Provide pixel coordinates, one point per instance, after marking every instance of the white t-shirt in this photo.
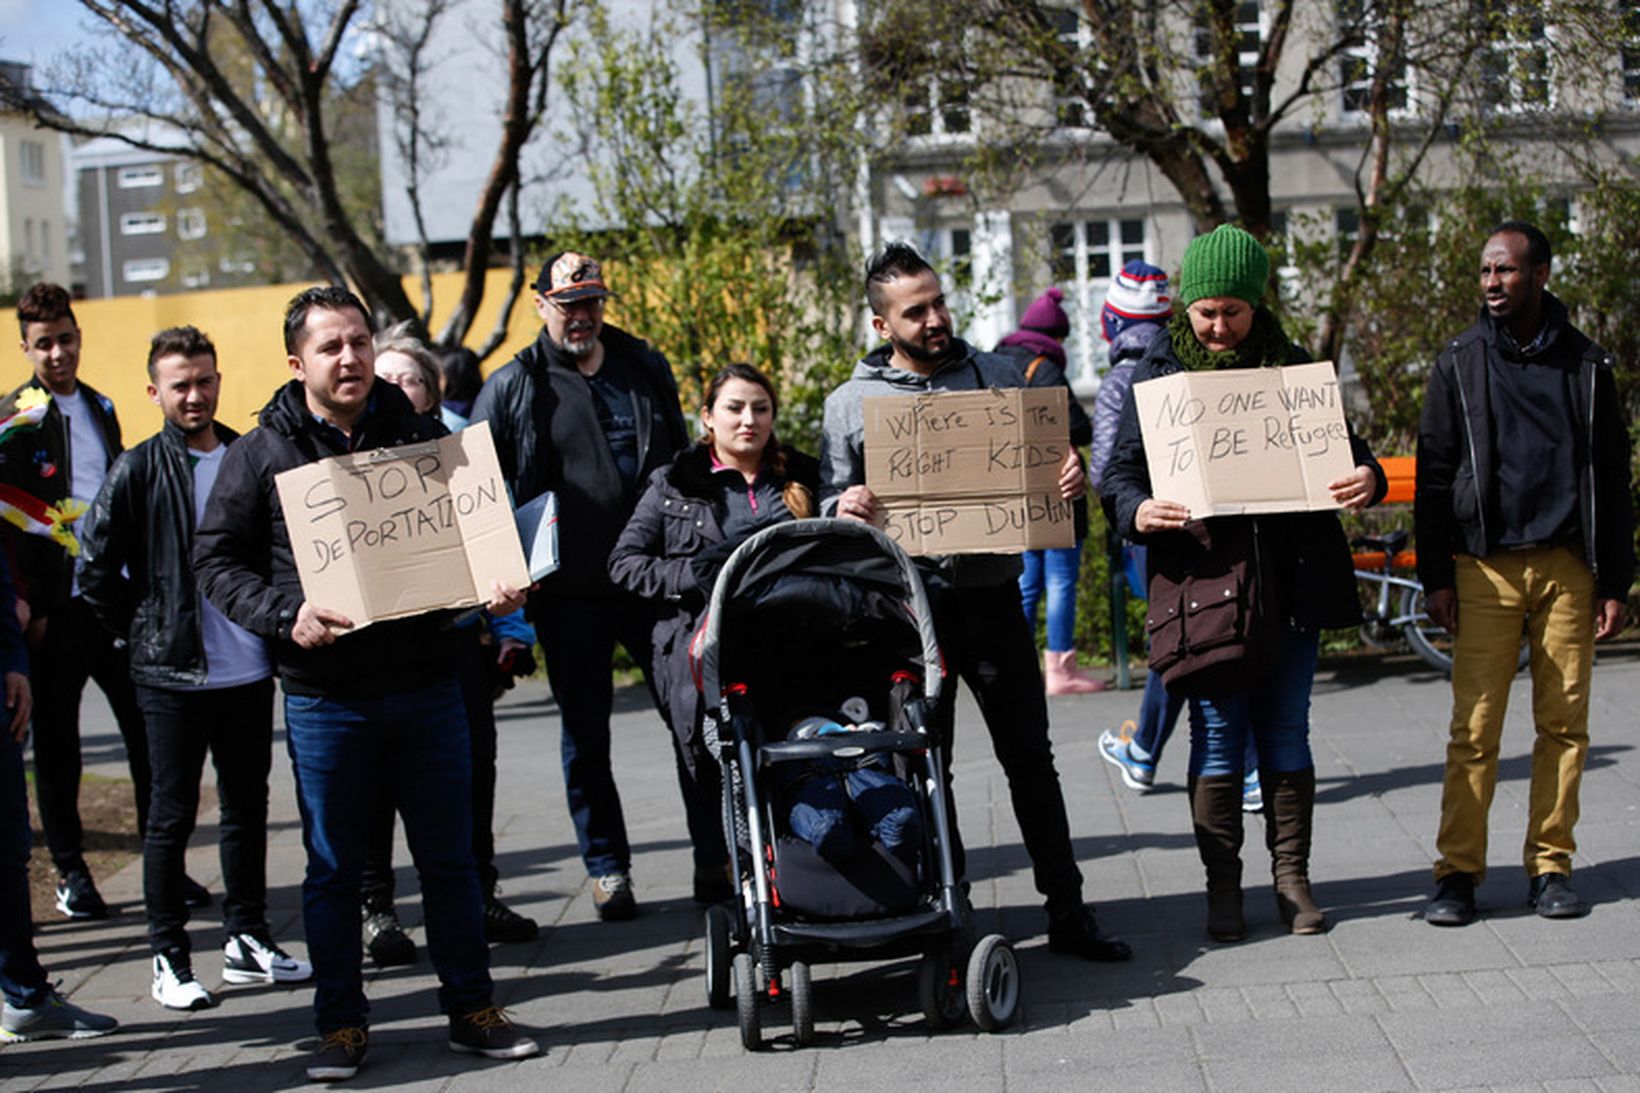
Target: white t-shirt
(233, 655)
(87, 454)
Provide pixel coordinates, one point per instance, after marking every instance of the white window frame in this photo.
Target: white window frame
(139, 271)
(191, 223)
(1511, 94)
(188, 177)
(1087, 352)
(31, 162)
(939, 130)
(1628, 52)
(1365, 52)
(196, 277)
(1078, 36)
(140, 176)
(1246, 60)
(146, 222)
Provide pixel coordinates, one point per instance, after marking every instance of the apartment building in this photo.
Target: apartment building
(34, 225)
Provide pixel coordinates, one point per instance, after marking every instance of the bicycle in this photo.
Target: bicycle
(1378, 561)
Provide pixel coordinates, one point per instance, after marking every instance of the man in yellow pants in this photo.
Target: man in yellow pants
(1524, 522)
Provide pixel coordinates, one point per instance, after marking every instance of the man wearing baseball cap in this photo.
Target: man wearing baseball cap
(588, 411)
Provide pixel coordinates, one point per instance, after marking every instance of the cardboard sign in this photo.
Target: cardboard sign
(1245, 440)
(399, 531)
(971, 472)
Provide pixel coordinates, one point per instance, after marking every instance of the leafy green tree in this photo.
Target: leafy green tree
(727, 214)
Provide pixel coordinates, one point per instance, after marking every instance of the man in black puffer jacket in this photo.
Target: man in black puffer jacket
(362, 710)
(1525, 525)
(590, 412)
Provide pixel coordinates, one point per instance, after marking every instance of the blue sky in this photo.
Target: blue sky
(34, 30)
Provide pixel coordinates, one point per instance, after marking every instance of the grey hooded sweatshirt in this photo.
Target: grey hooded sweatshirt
(842, 444)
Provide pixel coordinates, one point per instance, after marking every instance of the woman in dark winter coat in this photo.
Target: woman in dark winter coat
(693, 514)
(1302, 576)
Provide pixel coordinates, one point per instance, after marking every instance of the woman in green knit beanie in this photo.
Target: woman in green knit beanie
(1297, 567)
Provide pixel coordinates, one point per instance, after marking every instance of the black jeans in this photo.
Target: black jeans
(22, 981)
(473, 674)
(984, 637)
(236, 725)
(75, 648)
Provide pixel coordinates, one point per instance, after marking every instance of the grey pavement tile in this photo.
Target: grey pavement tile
(1620, 1083)
(1313, 1000)
(1269, 1003)
(1162, 1059)
(1597, 1014)
(1449, 989)
(1572, 1085)
(1494, 1045)
(1538, 983)
(1283, 1055)
(1494, 987)
(1404, 992)
(1379, 947)
(1621, 1046)
(1359, 997)
(968, 1062)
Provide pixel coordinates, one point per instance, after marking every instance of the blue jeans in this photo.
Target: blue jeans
(1273, 710)
(827, 806)
(1056, 570)
(22, 980)
(578, 635)
(411, 745)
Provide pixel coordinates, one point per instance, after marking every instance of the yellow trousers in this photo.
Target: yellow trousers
(1549, 593)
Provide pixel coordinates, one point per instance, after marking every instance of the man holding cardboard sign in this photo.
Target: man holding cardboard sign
(974, 597)
(379, 704)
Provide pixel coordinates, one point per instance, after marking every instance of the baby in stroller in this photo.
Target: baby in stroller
(840, 806)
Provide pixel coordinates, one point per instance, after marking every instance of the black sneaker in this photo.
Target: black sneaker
(386, 941)
(487, 1032)
(612, 897)
(504, 925)
(195, 894)
(1551, 896)
(339, 1056)
(1454, 901)
(1076, 933)
(77, 896)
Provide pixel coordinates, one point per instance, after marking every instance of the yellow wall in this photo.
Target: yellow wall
(246, 325)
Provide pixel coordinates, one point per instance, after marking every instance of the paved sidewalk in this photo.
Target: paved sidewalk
(1381, 1002)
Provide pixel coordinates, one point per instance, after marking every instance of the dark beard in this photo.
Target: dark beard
(915, 352)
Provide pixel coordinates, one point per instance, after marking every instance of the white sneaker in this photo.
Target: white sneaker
(175, 987)
(253, 958)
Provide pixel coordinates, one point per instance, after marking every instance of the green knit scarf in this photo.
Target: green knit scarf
(1266, 345)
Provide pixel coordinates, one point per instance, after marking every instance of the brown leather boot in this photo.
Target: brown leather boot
(1215, 808)
(1289, 799)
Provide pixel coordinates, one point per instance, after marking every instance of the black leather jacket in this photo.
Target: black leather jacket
(39, 462)
(547, 437)
(242, 553)
(142, 524)
(1457, 483)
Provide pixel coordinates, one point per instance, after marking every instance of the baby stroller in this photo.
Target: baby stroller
(809, 615)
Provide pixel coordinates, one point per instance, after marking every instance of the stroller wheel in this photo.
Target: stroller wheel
(801, 986)
(993, 983)
(747, 1000)
(939, 989)
(719, 952)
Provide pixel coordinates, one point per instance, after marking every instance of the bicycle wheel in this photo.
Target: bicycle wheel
(1432, 642)
(1429, 641)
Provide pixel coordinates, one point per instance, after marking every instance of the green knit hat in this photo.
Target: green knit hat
(1227, 261)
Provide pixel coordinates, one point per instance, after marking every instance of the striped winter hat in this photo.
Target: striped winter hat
(1138, 294)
